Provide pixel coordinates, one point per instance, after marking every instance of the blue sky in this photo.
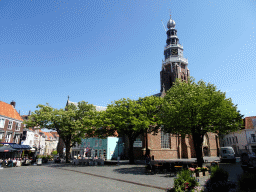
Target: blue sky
(101, 51)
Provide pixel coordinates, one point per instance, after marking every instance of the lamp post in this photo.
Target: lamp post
(118, 158)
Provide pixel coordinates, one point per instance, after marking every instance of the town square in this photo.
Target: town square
(128, 96)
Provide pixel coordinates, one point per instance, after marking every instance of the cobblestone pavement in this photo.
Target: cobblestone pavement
(48, 178)
(67, 177)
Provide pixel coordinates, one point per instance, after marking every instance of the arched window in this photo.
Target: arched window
(165, 140)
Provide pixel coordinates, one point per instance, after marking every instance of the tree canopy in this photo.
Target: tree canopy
(70, 123)
(130, 118)
(195, 109)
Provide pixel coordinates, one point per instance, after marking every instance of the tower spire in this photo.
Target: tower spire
(174, 65)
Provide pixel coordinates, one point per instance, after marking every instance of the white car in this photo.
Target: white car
(227, 154)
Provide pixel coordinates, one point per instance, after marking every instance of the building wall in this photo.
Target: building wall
(29, 139)
(13, 130)
(168, 75)
(238, 146)
(179, 147)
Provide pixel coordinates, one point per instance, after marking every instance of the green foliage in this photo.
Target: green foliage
(219, 180)
(246, 182)
(128, 117)
(70, 123)
(184, 177)
(197, 108)
(218, 174)
(49, 157)
(198, 169)
(55, 153)
(40, 156)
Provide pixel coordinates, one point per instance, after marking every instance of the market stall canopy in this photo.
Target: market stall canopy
(19, 147)
(6, 148)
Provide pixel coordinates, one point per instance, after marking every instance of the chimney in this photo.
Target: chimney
(13, 103)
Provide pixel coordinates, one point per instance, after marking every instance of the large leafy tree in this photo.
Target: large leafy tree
(70, 123)
(129, 118)
(195, 109)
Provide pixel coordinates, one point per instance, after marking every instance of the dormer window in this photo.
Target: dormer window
(10, 125)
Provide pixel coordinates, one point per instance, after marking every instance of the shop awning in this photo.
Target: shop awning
(6, 148)
(19, 147)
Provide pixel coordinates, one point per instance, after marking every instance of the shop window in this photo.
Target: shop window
(104, 154)
(8, 138)
(100, 155)
(16, 139)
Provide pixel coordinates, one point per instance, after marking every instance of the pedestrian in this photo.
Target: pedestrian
(148, 160)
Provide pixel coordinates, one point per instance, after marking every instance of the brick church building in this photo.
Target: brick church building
(169, 146)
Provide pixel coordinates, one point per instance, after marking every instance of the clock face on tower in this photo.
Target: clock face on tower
(174, 52)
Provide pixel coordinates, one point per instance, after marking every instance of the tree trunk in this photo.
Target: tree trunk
(198, 141)
(131, 154)
(67, 143)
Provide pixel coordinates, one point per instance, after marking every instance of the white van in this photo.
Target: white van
(227, 153)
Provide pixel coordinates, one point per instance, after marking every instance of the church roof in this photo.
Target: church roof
(98, 108)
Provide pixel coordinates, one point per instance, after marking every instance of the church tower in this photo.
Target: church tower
(174, 64)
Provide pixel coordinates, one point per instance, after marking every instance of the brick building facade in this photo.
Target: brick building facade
(11, 123)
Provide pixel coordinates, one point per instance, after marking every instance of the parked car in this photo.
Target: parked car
(227, 154)
(248, 161)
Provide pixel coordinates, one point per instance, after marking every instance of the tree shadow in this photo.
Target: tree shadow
(132, 170)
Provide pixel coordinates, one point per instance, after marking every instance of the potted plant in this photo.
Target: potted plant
(205, 171)
(44, 159)
(184, 181)
(192, 170)
(198, 171)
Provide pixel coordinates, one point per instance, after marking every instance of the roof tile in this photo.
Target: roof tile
(9, 111)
